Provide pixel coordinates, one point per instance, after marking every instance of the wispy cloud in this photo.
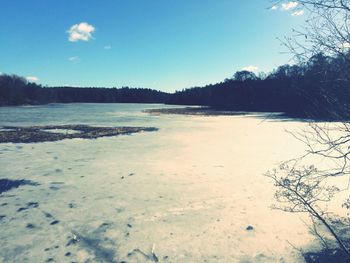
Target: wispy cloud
(82, 32)
(251, 68)
(289, 5)
(298, 13)
(32, 79)
(107, 47)
(74, 59)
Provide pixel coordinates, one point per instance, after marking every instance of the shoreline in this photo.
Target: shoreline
(208, 111)
(196, 110)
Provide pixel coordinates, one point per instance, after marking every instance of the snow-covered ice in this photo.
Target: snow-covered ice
(189, 190)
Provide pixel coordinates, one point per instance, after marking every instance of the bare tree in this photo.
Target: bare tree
(327, 29)
(303, 190)
(302, 187)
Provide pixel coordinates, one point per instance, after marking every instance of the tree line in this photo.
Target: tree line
(16, 90)
(318, 88)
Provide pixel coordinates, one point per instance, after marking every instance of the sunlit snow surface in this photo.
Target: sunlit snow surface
(189, 190)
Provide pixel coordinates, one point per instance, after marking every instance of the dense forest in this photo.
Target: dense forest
(15, 90)
(319, 88)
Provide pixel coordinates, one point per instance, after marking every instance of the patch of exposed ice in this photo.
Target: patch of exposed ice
(63, 131)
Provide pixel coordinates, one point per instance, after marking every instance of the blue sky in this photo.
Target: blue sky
(162, 44)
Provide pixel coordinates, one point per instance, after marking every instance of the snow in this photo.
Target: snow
(189, 190)
(64, 131)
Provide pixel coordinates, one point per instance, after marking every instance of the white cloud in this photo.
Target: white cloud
(298, 13)
(251, 68)
(345, 45)
(275, 7)
(289, 5)
(32, 79)
(107, 47)
(74, 59)
(82, 31)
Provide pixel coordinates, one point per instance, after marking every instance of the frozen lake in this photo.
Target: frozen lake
(189, 190)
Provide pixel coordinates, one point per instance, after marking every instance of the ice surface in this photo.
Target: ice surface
(189, 191)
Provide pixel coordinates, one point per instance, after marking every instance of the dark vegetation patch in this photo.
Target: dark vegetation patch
(32, 134)
(55, 222)
(29, 205)
(7, 184)
(33, 204)
(30, 226)
(249, 228)
(48, 215)
(55, 188)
